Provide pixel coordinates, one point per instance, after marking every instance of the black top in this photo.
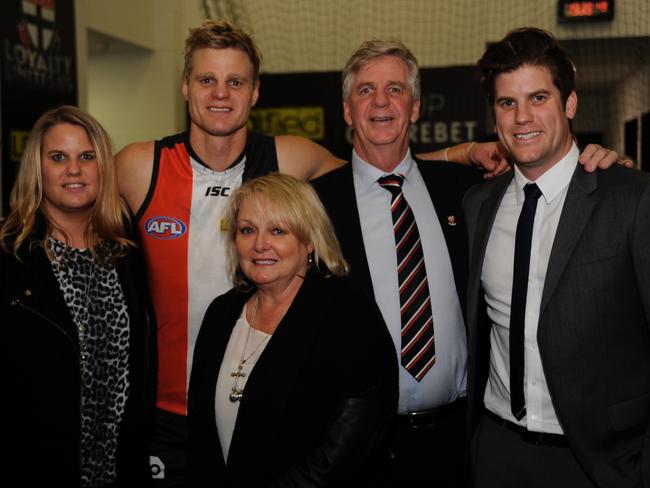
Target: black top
(42, 374)
(318, 403)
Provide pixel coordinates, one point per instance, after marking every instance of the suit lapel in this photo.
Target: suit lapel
(481, 234)
(340, 200)
(445, 197)
(580, 201)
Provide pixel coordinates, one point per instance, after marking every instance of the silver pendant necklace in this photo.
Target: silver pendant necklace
(84, 311)
(237, 393)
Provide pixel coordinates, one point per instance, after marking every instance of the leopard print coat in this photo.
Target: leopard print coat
(43, 373)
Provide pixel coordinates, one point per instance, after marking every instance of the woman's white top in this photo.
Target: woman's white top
(226, 410)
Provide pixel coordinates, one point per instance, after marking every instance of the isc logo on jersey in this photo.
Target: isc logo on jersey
(164, 227)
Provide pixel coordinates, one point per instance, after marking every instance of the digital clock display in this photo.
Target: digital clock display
(585, 10)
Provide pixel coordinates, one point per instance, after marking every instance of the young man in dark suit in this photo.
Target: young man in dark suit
(559, 370)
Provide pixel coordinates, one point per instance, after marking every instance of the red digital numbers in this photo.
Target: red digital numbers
(586, 9)
(602, 7)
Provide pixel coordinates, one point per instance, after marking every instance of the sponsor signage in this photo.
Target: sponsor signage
(306, 122)
(309, 104)
(38, 71)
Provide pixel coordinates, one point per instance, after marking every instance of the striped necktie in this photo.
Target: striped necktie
(418, 352)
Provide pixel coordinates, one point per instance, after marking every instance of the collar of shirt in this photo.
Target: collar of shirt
(553, 181)
(366, 175)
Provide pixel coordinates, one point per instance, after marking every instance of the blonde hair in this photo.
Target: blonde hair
(221, 35)
(296, 205)
(106, 234)
(378, 48)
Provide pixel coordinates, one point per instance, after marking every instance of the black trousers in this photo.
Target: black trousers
(502, 458)
(431, 452)
(168, 450)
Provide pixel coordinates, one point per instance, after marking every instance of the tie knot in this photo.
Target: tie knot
(532, 192)
(392, 183)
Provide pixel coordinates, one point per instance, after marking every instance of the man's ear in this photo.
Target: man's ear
(256, 93)
(415, 111)
(571, 105)
(184, 88)
(346, 113)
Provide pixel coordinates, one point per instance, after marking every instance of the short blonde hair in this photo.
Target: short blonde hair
(109, 214)
(293, 203)
(375, 49)
(221, 35)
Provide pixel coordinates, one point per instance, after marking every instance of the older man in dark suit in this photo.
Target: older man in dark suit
(559, 372)
(384, 207)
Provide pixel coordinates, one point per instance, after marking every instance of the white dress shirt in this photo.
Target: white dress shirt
(446, 380)
(496, 279)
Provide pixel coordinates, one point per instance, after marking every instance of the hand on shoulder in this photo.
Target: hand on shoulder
(596, 156)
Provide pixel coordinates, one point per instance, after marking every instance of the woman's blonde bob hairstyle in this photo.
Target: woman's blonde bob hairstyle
(294, 205)
(109, 214)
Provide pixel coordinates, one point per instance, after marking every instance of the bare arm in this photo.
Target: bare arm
(303, 158)
(493, 158)
(134, 166)
(490, 157)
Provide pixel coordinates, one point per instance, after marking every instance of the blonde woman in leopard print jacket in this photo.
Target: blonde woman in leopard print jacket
(75, 325)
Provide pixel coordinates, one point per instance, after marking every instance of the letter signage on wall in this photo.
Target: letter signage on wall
(310, 105)
(38, 71)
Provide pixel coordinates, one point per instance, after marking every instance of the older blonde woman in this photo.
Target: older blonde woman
(74, 324)
(294, 380)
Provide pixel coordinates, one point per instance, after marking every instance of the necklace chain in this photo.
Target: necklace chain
(237, 393)
(82, 311)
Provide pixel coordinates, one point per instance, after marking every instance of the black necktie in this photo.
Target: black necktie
(418, 350)
(523, 240)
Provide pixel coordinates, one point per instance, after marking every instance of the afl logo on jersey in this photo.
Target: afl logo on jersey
(164, 227)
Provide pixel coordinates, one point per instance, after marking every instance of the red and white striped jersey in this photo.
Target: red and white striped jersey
(183, 234)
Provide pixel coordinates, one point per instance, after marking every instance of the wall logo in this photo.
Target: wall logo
(164, 228)
(306, 122)
(36, 30)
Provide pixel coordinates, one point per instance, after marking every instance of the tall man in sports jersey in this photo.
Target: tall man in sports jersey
(177, 188)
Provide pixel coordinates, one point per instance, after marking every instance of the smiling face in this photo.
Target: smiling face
(269, 254)
(220, 91)
(381, 107)
(531, 120)
(70, 172)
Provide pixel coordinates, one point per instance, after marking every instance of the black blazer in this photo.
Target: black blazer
(42, 374)
(446, 183)
(318, 403)
(594, 324)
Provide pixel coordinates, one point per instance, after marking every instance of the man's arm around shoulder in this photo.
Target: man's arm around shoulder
(303, 158)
